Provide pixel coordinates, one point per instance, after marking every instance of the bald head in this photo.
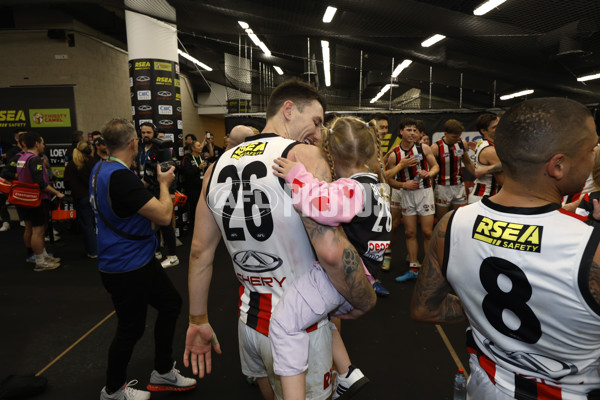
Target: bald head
(237, 135)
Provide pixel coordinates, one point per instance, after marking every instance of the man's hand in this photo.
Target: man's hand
(408, 162)
(198, 343)
(165, 177)
(411, 185)
(283, 166)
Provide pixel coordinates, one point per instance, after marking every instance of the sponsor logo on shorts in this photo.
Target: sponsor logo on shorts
(508, 234)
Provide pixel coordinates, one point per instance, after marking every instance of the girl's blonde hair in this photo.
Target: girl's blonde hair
(350, 142)
(80, 153)
(596, 169)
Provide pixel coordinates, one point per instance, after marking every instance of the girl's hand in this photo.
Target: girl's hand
(283, 166)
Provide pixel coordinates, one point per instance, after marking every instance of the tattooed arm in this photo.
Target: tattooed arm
(432, 299)
(336, 254)
(594, 279)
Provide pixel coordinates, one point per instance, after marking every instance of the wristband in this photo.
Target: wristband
(198, 319)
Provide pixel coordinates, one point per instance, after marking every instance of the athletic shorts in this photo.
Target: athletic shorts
(450, 195)
(305, 302)
(38, 215)
(257, 360)
(474, 198)
(396, 198)
(479, 385)
(418, 202)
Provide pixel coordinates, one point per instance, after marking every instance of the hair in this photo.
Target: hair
(29, 139)
(407, 122)
(484, 120)
(95, 133)
(81, 153)
(117, 134)
(533, 131)
(350, 142)
(596, 169)
(151, 125)
(190, 135)
(76, 137)
(301, 93)
(379, 117)
(420, 125)
(453, 126)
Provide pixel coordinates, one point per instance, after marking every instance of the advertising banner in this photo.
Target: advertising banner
(156, 97)
(47, 110)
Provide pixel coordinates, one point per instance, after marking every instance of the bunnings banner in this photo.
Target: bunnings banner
(47, 110)
(156, 97)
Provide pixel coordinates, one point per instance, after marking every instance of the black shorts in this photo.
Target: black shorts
(38, 215)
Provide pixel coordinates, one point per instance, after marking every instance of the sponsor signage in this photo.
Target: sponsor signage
(235, 106)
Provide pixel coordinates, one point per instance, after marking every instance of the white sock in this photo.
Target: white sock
(39, 258)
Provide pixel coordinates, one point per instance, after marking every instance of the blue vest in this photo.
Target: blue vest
(116, 253)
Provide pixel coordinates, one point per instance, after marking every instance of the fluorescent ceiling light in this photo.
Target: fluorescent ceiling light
(192, 59)
(487, 7)
(279, 70)
(255, 39)
(383, 91)
(329, 13)
(517, 94)
(326, 65)
(243, 24)
(433, 40)
(588, 77)
(401, 67)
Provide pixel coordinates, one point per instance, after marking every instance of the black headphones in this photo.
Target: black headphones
(151, 125)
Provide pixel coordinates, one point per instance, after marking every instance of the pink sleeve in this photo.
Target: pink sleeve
(330, 204)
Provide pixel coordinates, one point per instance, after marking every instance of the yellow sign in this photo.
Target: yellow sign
(162, 66)
(49, 117)
(177, 84)
(162, 80)
(508, 235)
(142, 65)
(250, 149)
(12, 119)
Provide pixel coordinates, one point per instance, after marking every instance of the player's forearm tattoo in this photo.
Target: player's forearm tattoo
(359, 291)
(433, 292)
(594, 282)
(495, 169)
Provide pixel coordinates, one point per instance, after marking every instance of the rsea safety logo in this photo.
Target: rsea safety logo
(250, 149)
(142, 65)
(163, 80)
(508, 234)
(12, 118)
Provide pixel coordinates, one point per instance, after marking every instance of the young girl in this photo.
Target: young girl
(360, 203)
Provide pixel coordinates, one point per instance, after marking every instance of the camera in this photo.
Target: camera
(208, 134)
(165, 165)
(163, 143)
(99, 140)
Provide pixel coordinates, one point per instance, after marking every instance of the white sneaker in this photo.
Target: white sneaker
(158, 255)
(171, 381)
(46, 266)
(51, 259)
(22, 223)
(350, 384)
(170, 261)
(5, 227)
(125, 393)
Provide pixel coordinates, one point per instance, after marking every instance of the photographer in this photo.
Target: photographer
(100, 151)
(192, 170)
(153, 151)
(125, 211)
(210, 152)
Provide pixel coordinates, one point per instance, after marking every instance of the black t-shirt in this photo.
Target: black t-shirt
(127, 193)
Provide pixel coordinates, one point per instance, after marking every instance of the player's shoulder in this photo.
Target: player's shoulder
(304, 150)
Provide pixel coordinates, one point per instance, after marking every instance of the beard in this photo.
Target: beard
(146, 140)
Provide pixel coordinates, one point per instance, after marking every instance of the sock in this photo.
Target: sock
(44, 253)
(413, 267)
(39, 258)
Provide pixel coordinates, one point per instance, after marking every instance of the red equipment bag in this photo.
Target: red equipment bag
(60, 214)
(24, 194)
(5, 186)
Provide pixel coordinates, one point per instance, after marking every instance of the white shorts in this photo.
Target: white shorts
(396, 198)
(450, 195)
(418, 202)
(306, 301)
(257, 360)
(479, 385)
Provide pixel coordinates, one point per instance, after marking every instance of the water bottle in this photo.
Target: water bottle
(460, 385)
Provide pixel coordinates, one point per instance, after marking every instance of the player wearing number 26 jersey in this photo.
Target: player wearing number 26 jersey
(262, 231)
(527, 258)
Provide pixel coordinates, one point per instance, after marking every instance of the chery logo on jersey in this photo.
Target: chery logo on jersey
(250, 149)
(508, 234)
(256, 261)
